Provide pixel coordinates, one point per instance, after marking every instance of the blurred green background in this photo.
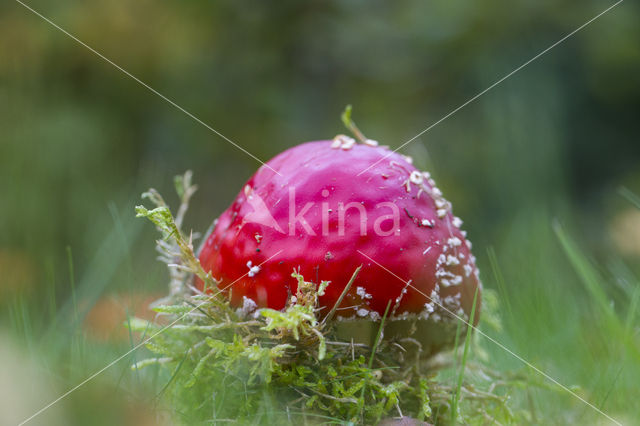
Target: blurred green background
(79, 142)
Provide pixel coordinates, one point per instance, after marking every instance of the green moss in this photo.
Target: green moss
(221, 363)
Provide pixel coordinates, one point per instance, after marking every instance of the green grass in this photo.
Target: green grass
(533, 168)
(565, 313)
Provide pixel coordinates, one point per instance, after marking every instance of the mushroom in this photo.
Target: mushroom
(336, 205)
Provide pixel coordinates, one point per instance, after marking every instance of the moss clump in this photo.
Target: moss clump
(221, 363)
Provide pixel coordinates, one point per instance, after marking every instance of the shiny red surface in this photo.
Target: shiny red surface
(311, 168)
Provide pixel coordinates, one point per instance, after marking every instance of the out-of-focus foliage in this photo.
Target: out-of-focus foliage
(79, 140)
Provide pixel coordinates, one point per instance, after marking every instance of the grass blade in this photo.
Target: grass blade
(465, 354)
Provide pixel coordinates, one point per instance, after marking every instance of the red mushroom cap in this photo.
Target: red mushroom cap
(335, 206)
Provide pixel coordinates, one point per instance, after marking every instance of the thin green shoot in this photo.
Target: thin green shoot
(632, 311)
(131, 345)
(374, 349)
(351, 125)
(589, 277)
(456, 340)
(376, 343)
(611, 387)
(173, 376)
(72, 282)
(51, 289)
(465, 354)
(502, 287)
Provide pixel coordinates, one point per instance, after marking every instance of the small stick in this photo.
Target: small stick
(342, 296)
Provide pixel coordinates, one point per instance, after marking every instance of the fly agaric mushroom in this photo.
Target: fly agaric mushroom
(335, 205)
